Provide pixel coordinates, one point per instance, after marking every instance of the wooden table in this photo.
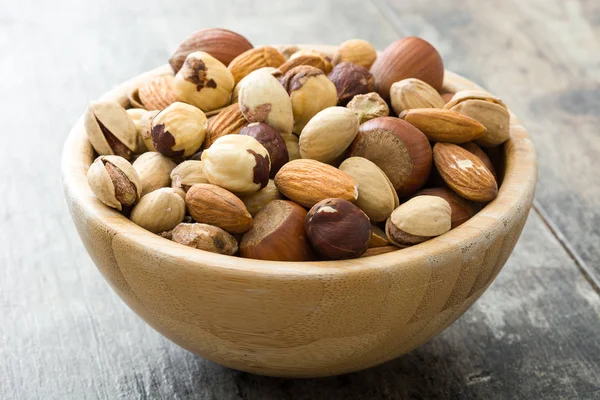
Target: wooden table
(534, 334)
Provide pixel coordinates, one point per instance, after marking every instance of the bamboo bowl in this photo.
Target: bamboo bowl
(301, 319)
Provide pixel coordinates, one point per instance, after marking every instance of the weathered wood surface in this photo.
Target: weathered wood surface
(533, 334)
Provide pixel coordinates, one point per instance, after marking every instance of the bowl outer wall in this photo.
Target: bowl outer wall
(296, 319)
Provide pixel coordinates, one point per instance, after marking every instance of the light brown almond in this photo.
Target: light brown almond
(213, 205)
(157, 93)
(254, 59)
(229, 121)
(308, 181)
(312, 60)
(444, 125)
(464, 172)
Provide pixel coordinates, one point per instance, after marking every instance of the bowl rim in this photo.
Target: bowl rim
(516, 190)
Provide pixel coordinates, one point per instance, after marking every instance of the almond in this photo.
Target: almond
(254, 59)
(312, 60)
(213, 205)
(308, 181)
(157, 93)
(464, 172)
(444, 125)
(229, 121)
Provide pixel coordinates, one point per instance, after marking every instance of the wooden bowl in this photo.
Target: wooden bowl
(296, 319)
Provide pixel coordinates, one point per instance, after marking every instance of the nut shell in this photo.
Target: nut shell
(213, 205)
(368, 106)
(256, 201)
(277, 234)
(271, 140)
(110, 129)
(237, 163)
(154, 171)
(307, 182)
(337, 229)
(414, 93)
(398, 148)
(204, 82)
(178, 130)
(351, 80)
(205, 237)
(376, 194)
(114, 181)
(461, 209)
(254, 59)
(292, 144)
(222, 44)
(136, 115)
(328, 134)
(187, 174)
(410, 57)
(356, 51)
(159, 211)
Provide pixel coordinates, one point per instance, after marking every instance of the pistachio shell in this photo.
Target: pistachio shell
(414, 93)
(114, 181)
(188, 173)
(110, 129)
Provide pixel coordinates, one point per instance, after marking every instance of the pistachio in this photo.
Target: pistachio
(368, 106)
(114, 181)
(237, 163)
(160, 210)
(204, 82)
(350, 80)
(188, 173)
(310, 92)
(414, 93)
(179, 130)
(488, 110)
(263, 99)
(110, 129)
(205, 237)
(154, 171)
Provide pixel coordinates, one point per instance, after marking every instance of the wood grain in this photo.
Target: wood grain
(66, 335)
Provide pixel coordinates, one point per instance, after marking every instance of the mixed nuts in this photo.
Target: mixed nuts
(292, 155)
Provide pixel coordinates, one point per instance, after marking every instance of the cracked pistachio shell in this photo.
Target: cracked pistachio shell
(204, 82)
(187, 174)
(262, 98)
(414, 93)
(310, 91)
(237, 163)
(154, 171)
(160, 210)
(110, 129)
(114, 181)
(368, 106)
(179, 130)
(489, 110)
(136, 115)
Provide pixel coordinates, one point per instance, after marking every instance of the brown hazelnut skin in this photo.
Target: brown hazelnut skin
(272, 140)
(402, 151)
(410, 57)
(277, 234)
(351, 79)
(462, 209)
(337, 229)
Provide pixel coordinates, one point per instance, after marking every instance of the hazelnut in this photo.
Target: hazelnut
(145, 130)
(398, 148)
(114, 181)
(154, 171)
(187, 174)
(204, 82)
(271, 139)
(160, 210)
(110, 129)
(277, 234)
(229, 121)
(213, 205)
(357, 51)
(418, 220)
(350, 80)
(256, 201)
(205, 237)
(238, 163)
(368, 106)
(337, 229)
(222, 44)
(263, 99)
(311, 52)
(310, 92)
(292, 144)
(376, 194)
(447, 97)
(328, 134)
(178, 130)
(236, 90)
(461, 209)
(414, 93)
(410, 57)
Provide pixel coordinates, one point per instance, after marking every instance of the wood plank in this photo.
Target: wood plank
(543, 58)
(65, 334)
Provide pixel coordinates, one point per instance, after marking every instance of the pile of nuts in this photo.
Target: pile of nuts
(290, 155)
